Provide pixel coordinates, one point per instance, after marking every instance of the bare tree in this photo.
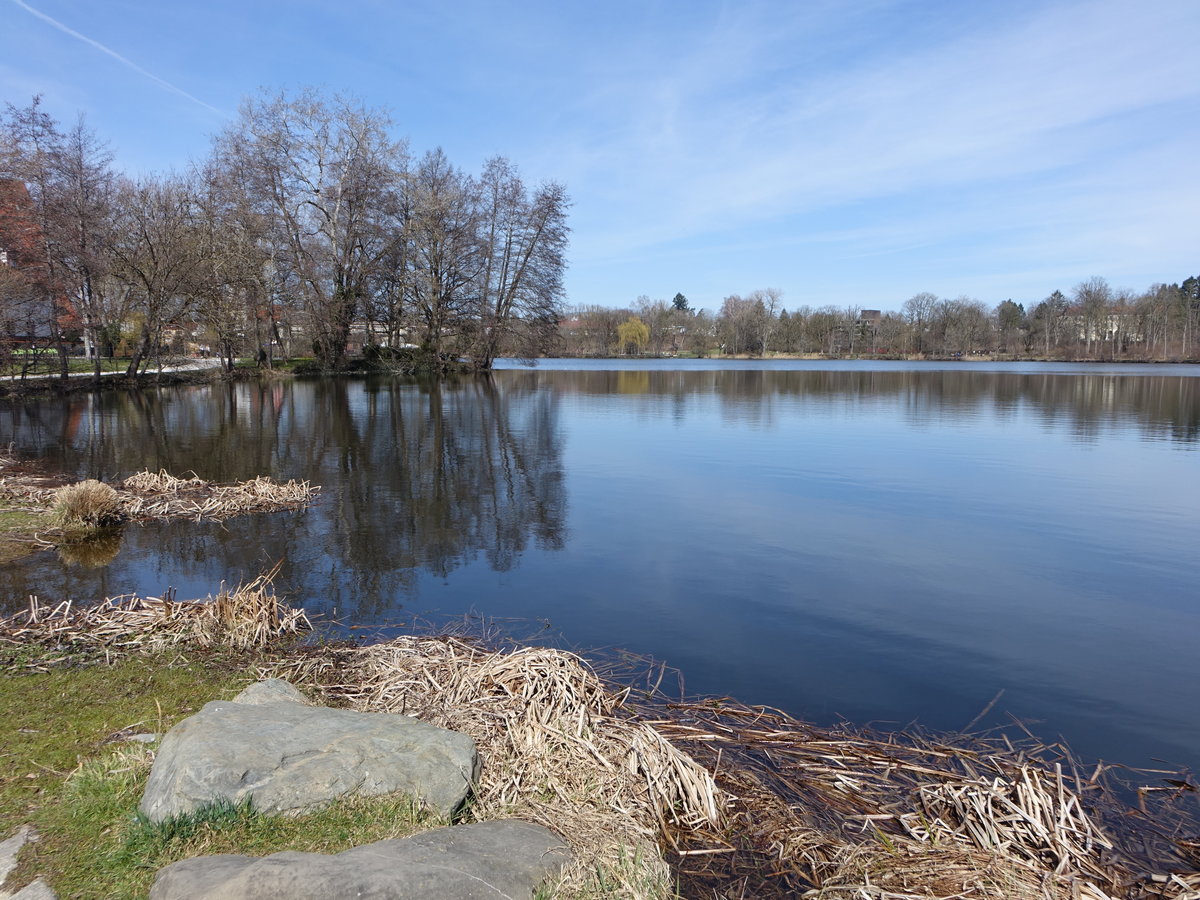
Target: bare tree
(321, 171)
(767, 318)
(918, 312)
(82, 211)
(524, 238)
(447, 255)
(233, 289)
(1092, 298)
(158, 253)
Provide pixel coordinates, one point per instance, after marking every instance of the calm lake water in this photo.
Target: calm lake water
(886, 542)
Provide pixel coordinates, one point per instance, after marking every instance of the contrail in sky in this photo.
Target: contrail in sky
(117, 56)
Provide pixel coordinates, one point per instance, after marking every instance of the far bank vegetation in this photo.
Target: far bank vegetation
(1091, 321)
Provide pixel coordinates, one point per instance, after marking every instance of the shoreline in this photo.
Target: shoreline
(203, 372)
(793, 808)
(801, 807)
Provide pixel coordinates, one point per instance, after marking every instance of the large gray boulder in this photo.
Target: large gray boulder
(288, 757)
(271, 690)
(488, 860)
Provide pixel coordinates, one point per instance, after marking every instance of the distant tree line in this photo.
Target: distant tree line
(307, 229)
(1092, 321)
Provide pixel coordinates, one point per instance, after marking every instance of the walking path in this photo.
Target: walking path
(189, 365)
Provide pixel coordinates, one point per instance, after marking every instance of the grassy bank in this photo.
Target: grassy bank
(17, 528)
(69, 770)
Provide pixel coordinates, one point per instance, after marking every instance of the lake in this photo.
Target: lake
(884, 542)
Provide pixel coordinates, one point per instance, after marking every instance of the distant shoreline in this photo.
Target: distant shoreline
(53, 383)
(823, 357)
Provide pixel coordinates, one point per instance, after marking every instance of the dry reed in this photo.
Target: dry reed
(150, 495)
(748, 802)
(557, 748)
(87, 504)
(840, 813)
(155, 495)
(248, 616)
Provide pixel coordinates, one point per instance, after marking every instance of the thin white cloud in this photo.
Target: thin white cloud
(117, 56)
(729, 136)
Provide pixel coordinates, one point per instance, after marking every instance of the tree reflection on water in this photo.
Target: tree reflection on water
(419, 477)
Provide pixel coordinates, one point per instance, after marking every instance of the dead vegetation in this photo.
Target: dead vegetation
(710, 799)
(87, 504)
(70, 516)
(844, 814)
(750, 803)
(249, 615)
(556, 745)
(159, 495)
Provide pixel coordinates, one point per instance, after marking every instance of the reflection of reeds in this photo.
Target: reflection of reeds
(93, 550)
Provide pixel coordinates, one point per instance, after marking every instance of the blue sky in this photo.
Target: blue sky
(848, 153)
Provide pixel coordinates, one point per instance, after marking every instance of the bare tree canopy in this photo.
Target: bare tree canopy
(308, 226)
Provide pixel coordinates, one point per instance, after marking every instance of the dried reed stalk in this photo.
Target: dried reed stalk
(248, 616)
(842, 813)
(154, 495)
(557, 747)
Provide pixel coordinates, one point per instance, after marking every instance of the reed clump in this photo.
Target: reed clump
(557, 747)
(146, 495)
(247, 616)
(844, 814)
(86, 505)
(158, 495)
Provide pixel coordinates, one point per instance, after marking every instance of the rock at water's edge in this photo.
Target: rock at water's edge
(288, 757)
(271, 690)
(489, 859)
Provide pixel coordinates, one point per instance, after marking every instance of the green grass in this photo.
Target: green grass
(53, 721)
(16, 530)
(123, 849)
(60, 773)
(77, 364)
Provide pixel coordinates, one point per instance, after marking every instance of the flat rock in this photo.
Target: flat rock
(36, 890)
(508, 859)
(287, 757)
(9, 851)
(271, 690)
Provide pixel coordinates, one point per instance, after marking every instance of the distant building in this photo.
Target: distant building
(25, 318)
(365, 334)
(1114, 327)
